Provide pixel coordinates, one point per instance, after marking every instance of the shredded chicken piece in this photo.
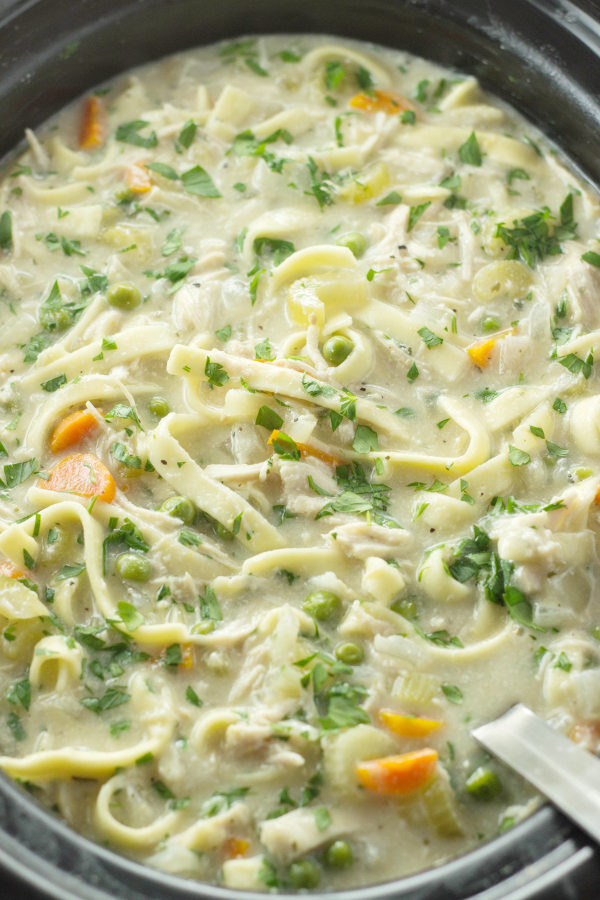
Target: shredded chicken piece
(361, 540)
(298, 496)
(297, 833)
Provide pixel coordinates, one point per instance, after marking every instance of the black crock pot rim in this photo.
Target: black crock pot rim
(569, 849)
(580, 25)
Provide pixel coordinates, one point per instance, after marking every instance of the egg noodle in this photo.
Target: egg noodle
(300, 428)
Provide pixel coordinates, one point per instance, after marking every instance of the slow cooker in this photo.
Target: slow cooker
(542, 57)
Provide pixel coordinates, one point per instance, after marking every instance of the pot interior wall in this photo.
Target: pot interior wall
(50, 52)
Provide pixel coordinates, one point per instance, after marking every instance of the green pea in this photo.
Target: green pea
(483, 784)
(349, 653)
(304, 873)
(55, 319)
(339, 855)
(336, 349)
(491, 323)
(179, 507)
(354, 241)
(406, 607)
(133, 567)
(321, 605)
(124, 295)
(159, 407)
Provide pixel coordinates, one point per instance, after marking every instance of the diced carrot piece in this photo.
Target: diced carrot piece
(400, 774)
(307, 450)
(187, 656)
(9, 569)
(587, 734)
(82, 474)
(481, 352)
(408, 726)
(597, 496)
(381, 101)
(329, 458)
(138, 179)
(72, 429)
(234, 847)
(91, 130)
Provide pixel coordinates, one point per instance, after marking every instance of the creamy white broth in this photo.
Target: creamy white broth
(342, 304)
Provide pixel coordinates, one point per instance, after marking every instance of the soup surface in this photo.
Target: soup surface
(300, 430)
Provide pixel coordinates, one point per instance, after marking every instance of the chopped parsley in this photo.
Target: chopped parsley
(518, 457)
(112, 698)
(591, 257)
(217, 376)
(343, 708)
(334, 74)
(470, 152)
(365, 439)
(17, 473)
(129, 615)
(321, 187)
(209, 605)
(186, 136)
(576, 365)
(246, 144)
(268, 418)
(534, 237)
(6, 230)
(54, 383)
(278, 249)
(429, 338)
(364, 79)
(391, 199)
(172, 243)
(452, 693)
(129, 133)
(192, 697)
(120, 453)
(415, 213)
(197, 181)
(263, 350)
(286, 447)
(358, 495)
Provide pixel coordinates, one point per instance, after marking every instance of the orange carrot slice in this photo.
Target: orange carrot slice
(82, 474)
(587, 734)
(91, 130)
(9, 569)
(481, 351)
(307, 450)
(381, 101)
(234, 847)
(138, 179)
(329, 458)
(408, 726)
(72, 429)
(400, 774)
(187, 656)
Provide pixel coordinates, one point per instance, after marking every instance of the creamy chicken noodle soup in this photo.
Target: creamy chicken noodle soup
(300, 427)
